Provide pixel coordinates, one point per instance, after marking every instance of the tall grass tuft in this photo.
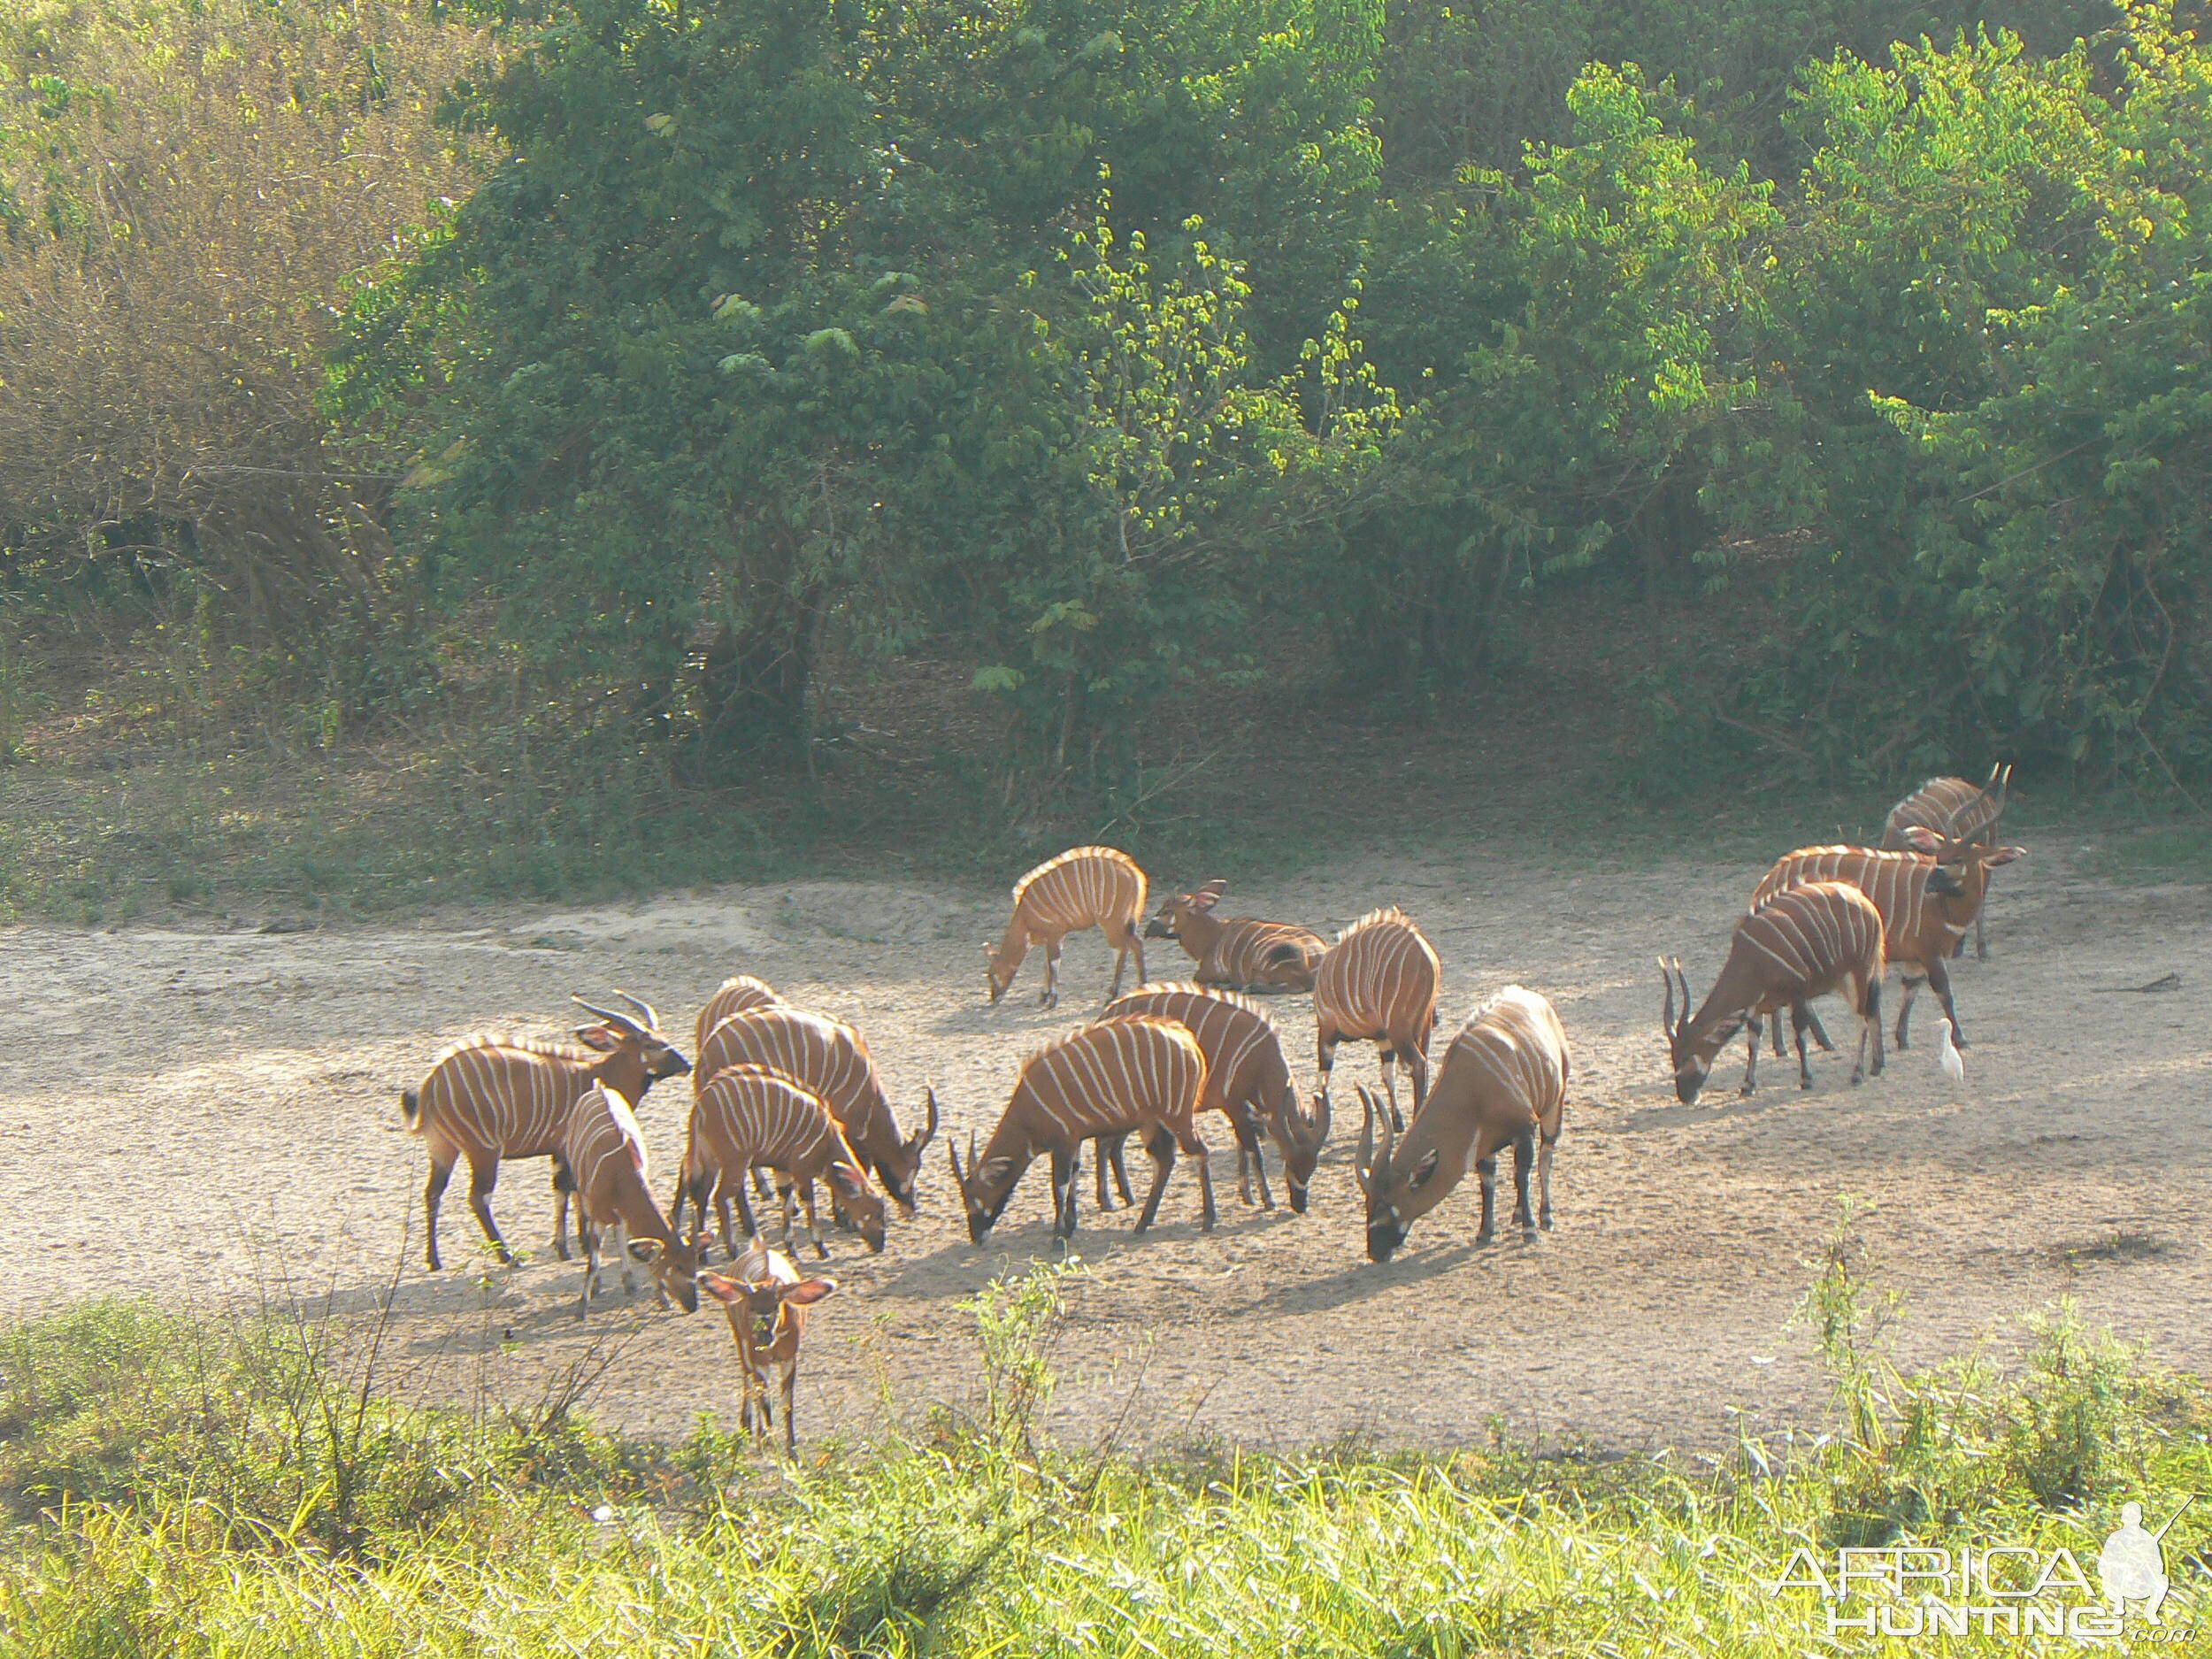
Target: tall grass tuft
(2084, 1415)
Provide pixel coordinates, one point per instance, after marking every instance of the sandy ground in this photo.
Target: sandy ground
(211, 1117)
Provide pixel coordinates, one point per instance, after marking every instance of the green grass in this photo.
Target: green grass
(172, 834)
(2156, 853)
(157, 786)
(171, 831)
(511, 804)
(195, 1488)
(479, 817)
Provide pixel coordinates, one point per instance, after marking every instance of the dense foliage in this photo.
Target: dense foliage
(1117, 352)
(870, 321)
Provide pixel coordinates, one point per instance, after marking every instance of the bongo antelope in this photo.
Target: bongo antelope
(1239, 952)
(1503, 1083)
(1954, 808)
(734, 996)
(1084, 887)
(605, 1154)
(832, 1060)
(737, 995)
(1377, 984)
(753, 1115)
(1804, 942)
(1926, 898)
(766, 1301)
(490, 1098)
(1248, 1080)
(1136, 1073)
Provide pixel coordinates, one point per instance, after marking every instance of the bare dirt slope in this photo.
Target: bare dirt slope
(211, 1117)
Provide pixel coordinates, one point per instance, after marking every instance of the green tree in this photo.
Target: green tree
(1608, 293)
(758, 340)
(1942, 188)
(2084, 472)
(1181, 485)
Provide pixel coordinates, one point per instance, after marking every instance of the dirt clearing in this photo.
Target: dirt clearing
(212, 1118)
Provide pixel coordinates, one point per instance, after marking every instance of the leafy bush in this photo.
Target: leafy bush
(2082, 1417)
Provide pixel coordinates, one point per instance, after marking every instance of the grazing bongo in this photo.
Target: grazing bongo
(749, 1116)
(491, 1098)
(1926, 897)
(1957, 811)
(1248, 1079)
(766, 1301)
(1377, 984)
(832, 1060)
(1131, 1073)
(1239, 952)
(605, 1154)
(1084, 887)
(734, 996)
(1805, 942)
(1503, 1083)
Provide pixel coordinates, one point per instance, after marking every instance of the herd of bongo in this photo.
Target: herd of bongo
(784, 1099)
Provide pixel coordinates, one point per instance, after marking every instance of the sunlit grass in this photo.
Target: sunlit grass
(200, 1488)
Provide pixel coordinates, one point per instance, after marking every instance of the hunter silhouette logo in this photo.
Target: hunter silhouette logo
(2132, 1566)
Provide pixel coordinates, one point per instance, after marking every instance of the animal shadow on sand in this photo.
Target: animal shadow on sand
(508, 1327)
(1669, 1113)
(958, 1268)
(465, 1310)
(417, 1295)
(1020, 1015)
(1365, 1279)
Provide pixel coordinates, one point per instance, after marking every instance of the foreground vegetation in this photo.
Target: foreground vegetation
(201, 1487)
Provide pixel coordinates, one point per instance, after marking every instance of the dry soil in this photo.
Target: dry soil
(210, 1117)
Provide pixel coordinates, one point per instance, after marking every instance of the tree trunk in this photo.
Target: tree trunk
(755, 677)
